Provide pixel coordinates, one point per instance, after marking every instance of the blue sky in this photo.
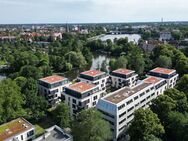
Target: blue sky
(81, 11)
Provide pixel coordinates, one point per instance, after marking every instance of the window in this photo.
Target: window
(148, 97)
(122, 106)
(136, 104)
(122, 114)
(94, 103)
(142, 94)
(147, 91)
(30, 133)
(143, 100)
(74, 101)
(135, 98)
(21, 137)
(122, 121)
(129, 116)
(130, 109)
(128, 102)
(95, 97)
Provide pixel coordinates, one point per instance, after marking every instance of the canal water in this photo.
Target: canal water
(131, 37)
(96, 63)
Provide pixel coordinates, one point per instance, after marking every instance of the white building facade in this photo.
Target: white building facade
(123, 77)
(170, 75)
(81, 96)
(52, 87)
(119, 106)
(96, 77)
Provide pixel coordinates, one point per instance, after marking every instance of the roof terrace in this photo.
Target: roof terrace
(125, 92)
(13, 128)
(93, 73)
(163, 71)
(81, 87)
(52, 79)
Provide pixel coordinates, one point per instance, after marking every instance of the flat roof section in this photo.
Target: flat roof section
(123, 71)
(13, 128)
(81, 87)
(56, 135)
(93, 73)
(125, 92)
(163, 71)
(152, 79)
(52, 79)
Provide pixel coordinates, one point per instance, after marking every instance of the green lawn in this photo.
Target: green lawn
(39, 130)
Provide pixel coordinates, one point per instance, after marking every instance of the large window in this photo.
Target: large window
(30, 133)
(122, 106)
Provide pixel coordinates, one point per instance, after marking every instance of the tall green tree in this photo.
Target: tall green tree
(62, 115)
(11, 101)
(144, 124)
(164, 61)
(89, 126)
(183, 84)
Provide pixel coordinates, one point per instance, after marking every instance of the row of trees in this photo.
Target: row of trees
(18, 98)
(88, 125)
(167, 118)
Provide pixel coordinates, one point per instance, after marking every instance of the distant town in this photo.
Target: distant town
(94, 82)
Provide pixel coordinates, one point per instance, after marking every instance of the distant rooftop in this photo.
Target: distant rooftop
(92, 73)
(13, 128)
(52, 79)
(81, 87)
(123, 71)
(125, 92)
(163, 71)
(152, 79)
(54, 133)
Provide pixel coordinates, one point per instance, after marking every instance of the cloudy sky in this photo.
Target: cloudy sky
(81, 11)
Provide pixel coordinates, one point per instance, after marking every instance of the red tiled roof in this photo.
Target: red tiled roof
(123, 71)
(152, 79)
(163, 70)
(92, 73)
(52, 79)
(81, 87)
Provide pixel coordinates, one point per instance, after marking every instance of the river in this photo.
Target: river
(131, 37)
(96, 63)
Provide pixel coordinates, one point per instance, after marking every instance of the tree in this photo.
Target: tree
(31, 71)
(61, 115)
(151, 138)
(144, 124)
(183, 84)
(164, 61)
(35, 105)
(162, 106)
(104, 66)
(89, 126)
(121, 62)
(180, 99)
(11, 101)
(177, 126)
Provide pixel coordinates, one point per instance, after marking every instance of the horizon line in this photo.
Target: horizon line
(141, 22)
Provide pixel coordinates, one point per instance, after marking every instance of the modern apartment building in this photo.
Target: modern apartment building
(51, 88)
(17, 130)
(123, 77)
(81, 95)
(119, 106)
(169, 74)
(96, 77)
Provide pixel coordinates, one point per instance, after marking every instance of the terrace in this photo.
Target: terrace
(13, 128)
(125, 92)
